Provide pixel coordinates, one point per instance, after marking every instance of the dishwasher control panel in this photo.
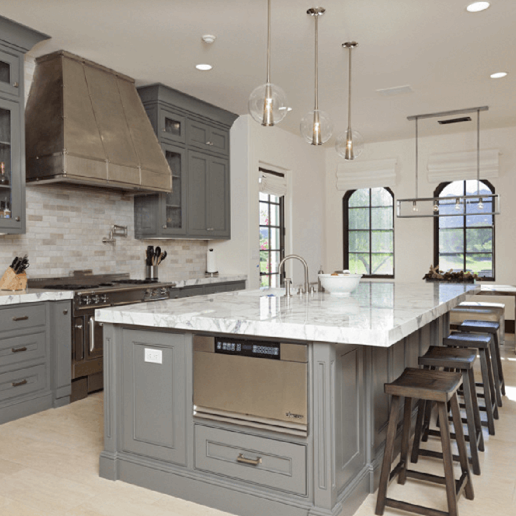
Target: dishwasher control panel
(247, 348)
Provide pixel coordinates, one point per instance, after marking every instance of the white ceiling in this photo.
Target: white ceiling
(445, 53)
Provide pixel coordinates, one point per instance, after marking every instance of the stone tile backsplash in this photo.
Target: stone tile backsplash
(65, 227)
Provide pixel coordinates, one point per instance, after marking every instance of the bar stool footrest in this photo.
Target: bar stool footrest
(411, 507)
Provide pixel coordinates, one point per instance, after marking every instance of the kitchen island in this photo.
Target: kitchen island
(323, 463)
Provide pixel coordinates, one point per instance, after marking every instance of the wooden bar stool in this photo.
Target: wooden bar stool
(482, 312)
(491, 328)
(482, 343)
(452, 359)
(440, 387)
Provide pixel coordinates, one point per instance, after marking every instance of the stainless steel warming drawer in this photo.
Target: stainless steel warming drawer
(252, 383)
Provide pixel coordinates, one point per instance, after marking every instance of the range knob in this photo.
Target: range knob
(86, 300)
(95, 299)
(104, 298)
(164, 291)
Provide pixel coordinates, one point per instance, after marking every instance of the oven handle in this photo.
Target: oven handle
(91, 322)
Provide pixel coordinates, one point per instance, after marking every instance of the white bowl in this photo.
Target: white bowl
(341, 285)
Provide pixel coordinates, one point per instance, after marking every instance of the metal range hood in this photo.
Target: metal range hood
(86, 124)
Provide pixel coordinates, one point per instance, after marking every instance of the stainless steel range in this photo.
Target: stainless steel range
(97, 291)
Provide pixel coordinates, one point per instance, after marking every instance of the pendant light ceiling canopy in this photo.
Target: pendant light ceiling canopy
(268, 103)
(350, 144)
(316, 126)
(479, 204)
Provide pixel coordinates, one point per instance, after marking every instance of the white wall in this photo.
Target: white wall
(253, 146)
(414, 237)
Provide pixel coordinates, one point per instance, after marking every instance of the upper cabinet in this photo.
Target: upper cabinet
(194, 137)
(15, 41)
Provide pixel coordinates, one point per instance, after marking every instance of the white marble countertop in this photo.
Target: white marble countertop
(33, 295)
(377, 313)
(208, 280)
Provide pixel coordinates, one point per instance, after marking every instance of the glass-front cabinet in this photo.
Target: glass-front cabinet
(12, 208)
(174, 202)
(15, 39)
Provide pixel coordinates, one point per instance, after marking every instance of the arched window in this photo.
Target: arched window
(369, 232)
(466, 242)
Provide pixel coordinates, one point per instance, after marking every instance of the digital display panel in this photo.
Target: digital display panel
(247, 348)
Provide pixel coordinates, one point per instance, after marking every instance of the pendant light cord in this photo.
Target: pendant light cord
(268, 41)
(316, 62)
(349, 89)
(417, 153)
(478, 152)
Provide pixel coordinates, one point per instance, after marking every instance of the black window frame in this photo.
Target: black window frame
(345, 213)
(437, 193)
(281, 227)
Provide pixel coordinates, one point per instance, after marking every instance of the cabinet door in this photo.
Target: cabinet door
(171, 127)
(173, 209)
(154, 395)
(207, 137)
(198, 169)
(12, 201)
(9, 74)
(218, 213)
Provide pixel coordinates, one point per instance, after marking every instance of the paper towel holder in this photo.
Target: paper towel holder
(211, 268)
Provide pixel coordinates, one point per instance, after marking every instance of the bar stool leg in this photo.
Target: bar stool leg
(499, 362)
(469, 381)
(448, 460)
(494, 391)
(472, 431)
(487, 391)
(496, 372)
(402, 477)
(387, 457)
(461, 445)
(421, 411)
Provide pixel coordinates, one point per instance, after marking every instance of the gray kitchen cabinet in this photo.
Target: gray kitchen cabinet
(194, 136)
(15, 40)
(154, 395)
(210, 288)
(34, 358)
(208, 196)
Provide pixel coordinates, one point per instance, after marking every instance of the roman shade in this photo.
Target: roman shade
(366, 174)
(272, 183)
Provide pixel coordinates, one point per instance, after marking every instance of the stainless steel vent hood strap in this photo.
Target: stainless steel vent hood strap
(86, 124)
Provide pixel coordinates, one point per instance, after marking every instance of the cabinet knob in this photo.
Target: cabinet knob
(164, 226)
(16, 85)
(209, 229)
(17, 219)
(209, 143)
(65, 311)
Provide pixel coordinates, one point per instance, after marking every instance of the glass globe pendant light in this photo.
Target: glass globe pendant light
(350, 144)
(268, 103)
(316, 126)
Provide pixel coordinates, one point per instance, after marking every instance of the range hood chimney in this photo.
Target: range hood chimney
(86, 124)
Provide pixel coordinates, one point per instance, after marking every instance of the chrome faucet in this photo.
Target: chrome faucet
(305, 265)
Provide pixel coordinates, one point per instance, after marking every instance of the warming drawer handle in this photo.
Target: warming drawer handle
(92, 334)
(17, 384)
(245, 460)
(23, 318)
(17, 350)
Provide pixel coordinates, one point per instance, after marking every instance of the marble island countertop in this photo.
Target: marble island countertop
(377, 313)
(33, 295)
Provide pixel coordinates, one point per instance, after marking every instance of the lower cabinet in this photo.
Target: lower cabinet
(35, 358)
(249, 458)
(154, 399)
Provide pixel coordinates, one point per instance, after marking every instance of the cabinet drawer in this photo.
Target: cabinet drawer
(22, 316)
(22, 382)
(18, 349)
(258, 460)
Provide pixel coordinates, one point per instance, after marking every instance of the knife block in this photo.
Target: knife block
(12, 281)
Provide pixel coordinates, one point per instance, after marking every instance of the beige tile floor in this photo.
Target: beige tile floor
(49, 467)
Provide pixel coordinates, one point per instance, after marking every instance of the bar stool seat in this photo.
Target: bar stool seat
(462, 359)
(482, 312)
(482, 343)
(440, 387)
(492, 328)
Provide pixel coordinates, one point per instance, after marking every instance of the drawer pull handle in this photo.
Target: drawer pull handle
(17, 350)
(24, 318)
(245, 460)
(17, 384)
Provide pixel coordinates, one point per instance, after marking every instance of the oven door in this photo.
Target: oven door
(251, 391)
(87, 346)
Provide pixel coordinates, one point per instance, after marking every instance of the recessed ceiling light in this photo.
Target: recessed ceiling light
(476, 7)
(498, 75)
(203, 67)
